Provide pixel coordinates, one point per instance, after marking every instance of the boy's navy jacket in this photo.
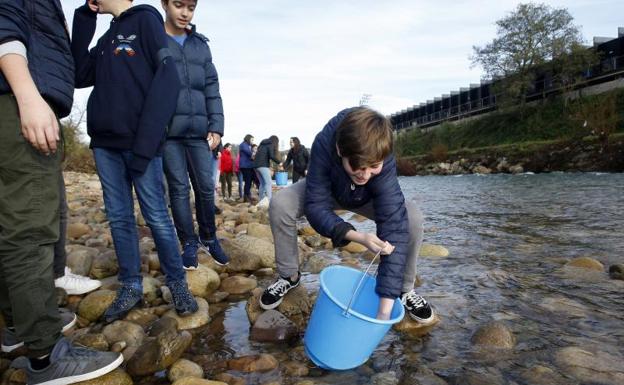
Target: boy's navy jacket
(199, 109)
(40, 26)
(327, 178)
(136, 82)
(265, 153)
(245, 161)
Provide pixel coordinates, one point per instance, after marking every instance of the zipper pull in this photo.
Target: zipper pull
(352, 187)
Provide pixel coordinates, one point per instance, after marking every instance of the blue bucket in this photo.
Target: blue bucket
(339, 340)
(281, 178)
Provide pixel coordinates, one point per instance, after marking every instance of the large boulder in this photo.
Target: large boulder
(203, 281)
(104, 265)
(248, 253)
(129, 332)
(238, 285)
(260, 231)
(159, 353)
(586, 263)
(95, 304)
(200, 318)
(184, 368)
(494, 335)
(272, 326)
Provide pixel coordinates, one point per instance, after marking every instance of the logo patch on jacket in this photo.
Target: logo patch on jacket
(124, 45)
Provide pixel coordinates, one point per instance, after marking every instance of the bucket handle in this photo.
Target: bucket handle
(357, 288)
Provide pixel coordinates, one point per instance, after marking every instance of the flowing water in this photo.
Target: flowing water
(509, 237)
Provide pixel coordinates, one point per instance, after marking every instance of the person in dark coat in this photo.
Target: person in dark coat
(267, 150)
(299, 157)
(352, 167)
(245, 164)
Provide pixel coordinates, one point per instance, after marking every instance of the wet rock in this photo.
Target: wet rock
(428, 250)
(273, 326)
(516, 169)
(254, 363)
(386, 378)
(116, 377)
(93, 340)
(217, 296)
(260, 231)
(592, 367)
(142, 317)
(119, 346)
(494, 335)
(77, 230)
(296, 306)
(184, 368)
(95, 304)
(295, 369)
(616, 271)
(195, 320)
(315, 241)
(238, 285)
(479, 169)
(203, 281)
(163, 325)
(197, 381)
(354, 248)
(158, 353)
(249, 253)
(316, 263)
(80, 258)
(416, 329)
(586, 263)
(151, 288)
(104, 265)
(131, 333)
(563, 305)
(539, 374)
(230, 379)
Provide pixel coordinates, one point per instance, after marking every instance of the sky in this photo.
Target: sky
(286, 67)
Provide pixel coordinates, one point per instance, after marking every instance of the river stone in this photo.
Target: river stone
(197, 381)
(316, 263)
(104, 265)
(516, 169)
(184, 368)
(248, 253)
(116, 377)
(151, 288)
(95, 304)
(428, 250)
(158, 353)
(416, 329)
(96, 341)
(591, 367)
(217, 296)
(254, 363)
(202, 281)
(230, 379)
(355, 248)
(617, 271)
(561, 304)
(80, 258)
(165, 324)
(386, 378)
(295, 369)
(307, 230)
(495, 335)
(479, 169)
(586, 263)
(273, 326)
(77, 230)
(238, 285)
(314, 241)
(192, 321)
(539, 374)
(260, 231)
(131, 333)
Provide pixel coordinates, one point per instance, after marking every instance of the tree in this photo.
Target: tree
(529, 37)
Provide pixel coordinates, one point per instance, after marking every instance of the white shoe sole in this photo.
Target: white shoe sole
(87, 376)
(84, 291)
(271, 307)
(189, 268)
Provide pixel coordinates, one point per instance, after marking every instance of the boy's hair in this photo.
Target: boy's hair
(365, 137)
(248, 138)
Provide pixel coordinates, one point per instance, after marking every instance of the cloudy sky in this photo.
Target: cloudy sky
(286, 67)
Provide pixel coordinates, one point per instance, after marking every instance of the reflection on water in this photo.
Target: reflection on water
(509, 237)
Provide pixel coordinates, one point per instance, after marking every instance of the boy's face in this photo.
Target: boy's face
(179, 12)
(361, 176)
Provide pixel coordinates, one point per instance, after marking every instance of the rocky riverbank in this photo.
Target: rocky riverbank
(161, 348)
(568, 156)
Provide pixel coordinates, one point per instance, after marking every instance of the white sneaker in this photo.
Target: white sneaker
(264, 203)
(75, 284)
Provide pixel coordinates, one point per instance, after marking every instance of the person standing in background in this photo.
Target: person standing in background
(246, 165)
(227, 170)
(299, 157)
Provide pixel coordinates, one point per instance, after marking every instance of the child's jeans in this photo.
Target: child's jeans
(264, 176)
(113, 168)
(287, 207)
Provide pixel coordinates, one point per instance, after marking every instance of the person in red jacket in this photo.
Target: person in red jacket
(227, 170)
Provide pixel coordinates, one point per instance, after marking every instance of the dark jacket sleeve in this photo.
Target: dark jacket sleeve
(214, 104)
(161, 98)
(13, 22)
(306, 157)
(392, 226)
(83, 29)
(289, 157)
(318, 206)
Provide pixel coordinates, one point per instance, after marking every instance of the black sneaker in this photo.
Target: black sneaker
(189, 255)
(70, 364)
(10, 342)
(274, 294)
(127, 298)
(183, 301)
(417, 307)
(213, 247)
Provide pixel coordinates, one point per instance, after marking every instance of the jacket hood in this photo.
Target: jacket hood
(141, 8)
(266, 141)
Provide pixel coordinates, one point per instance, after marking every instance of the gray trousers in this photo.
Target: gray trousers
(287, 206)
